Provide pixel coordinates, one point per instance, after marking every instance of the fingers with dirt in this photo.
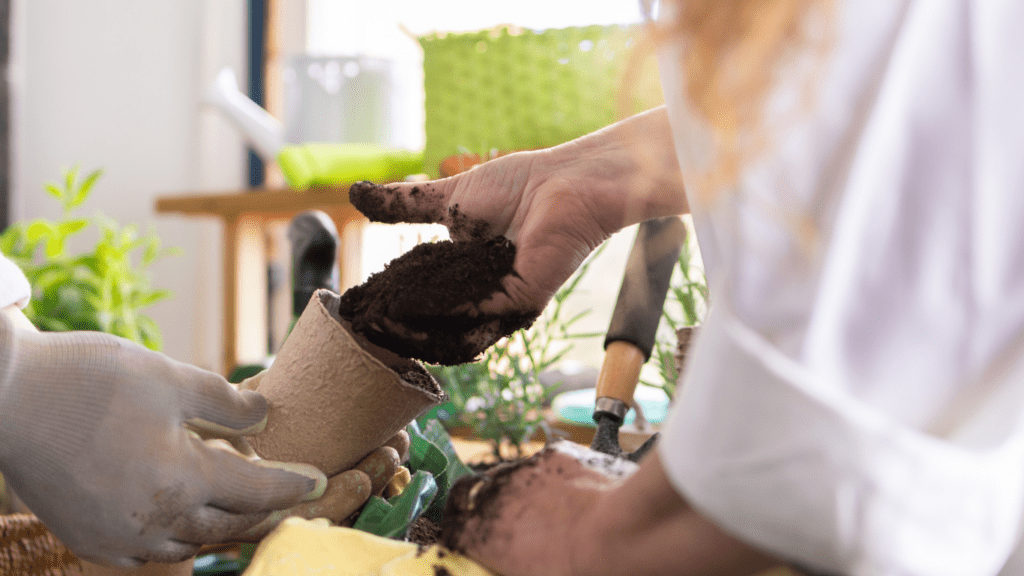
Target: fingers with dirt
(380, 467)
(345, 493)
(409, 202)
(426, 303)
(400, 442)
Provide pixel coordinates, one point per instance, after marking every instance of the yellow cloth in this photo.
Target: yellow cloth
(300, 547)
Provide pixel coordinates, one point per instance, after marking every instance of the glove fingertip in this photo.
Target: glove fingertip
(259, 407)
(318, 480)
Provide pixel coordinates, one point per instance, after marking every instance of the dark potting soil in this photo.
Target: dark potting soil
(422, 379)
(424, 532)
(410, 371)
(425, 303)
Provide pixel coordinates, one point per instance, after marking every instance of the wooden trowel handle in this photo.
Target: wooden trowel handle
(620, 371)
(637, 311)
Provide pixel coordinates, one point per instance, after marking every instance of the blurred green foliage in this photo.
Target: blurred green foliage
(104, 289)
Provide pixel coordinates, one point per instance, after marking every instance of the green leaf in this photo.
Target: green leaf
(70, 176)
(150, 333)
(55, 246)
(11, 238)
(69, 227)
(145, 299)
(85, 188)
(53, 190)
(38, 229)
(391, 519)
(52, 325)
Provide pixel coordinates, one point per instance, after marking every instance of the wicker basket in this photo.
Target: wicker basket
(515, 89)
(27, 547)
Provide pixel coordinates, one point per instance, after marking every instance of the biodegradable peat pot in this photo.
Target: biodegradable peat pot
(334, 397)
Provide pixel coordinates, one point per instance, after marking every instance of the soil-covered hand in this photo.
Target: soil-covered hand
(554, 206)
(550, 221)
(568, 512)
(525, 518)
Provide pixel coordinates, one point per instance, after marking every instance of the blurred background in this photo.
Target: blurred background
(121, 85)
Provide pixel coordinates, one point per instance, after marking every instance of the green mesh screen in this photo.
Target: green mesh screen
(511, 89)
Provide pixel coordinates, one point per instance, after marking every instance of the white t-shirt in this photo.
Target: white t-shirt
(856, 399)
(14, 288)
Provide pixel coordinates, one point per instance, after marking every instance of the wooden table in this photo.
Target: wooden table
(245, 214)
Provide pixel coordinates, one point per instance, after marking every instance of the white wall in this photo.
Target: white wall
(118, 84)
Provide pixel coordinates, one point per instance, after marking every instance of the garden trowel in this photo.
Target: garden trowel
(633, 327)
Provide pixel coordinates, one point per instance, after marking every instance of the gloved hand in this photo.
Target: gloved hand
(92, 439)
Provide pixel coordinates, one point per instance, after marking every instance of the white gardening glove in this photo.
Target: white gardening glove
(92, 439)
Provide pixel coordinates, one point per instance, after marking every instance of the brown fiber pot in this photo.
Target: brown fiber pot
(334, 397)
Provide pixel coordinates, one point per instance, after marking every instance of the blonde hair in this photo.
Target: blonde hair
(733, 54)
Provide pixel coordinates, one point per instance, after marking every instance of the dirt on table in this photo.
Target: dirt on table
(425, 303)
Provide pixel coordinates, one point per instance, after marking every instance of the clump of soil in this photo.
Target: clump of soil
(424, 532)
(410, 371)
(425, 303)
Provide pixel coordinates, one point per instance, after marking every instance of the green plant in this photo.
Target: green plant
(500, 397)
(685, 305)
(102, 290)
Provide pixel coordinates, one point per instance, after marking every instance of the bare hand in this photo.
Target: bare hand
(520, 196)
(565, 512)
(525, 518)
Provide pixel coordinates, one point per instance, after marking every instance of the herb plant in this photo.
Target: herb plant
(685, 305)
(500, 397)
(102, 290)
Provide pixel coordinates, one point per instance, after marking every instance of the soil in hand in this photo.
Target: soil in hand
(425, 303)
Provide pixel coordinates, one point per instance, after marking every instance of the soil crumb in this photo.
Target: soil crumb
(425, 303)
(424, 532)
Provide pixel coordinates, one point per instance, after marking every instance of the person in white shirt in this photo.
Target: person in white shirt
(93, 440)
(855, 402)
